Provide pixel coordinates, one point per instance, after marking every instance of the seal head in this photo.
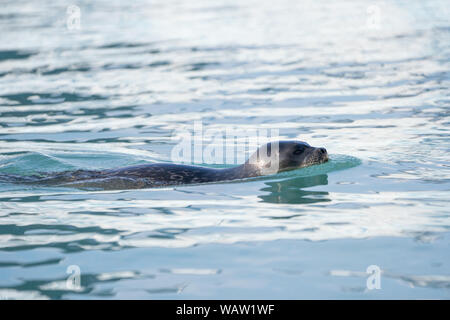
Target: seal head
(281, 156)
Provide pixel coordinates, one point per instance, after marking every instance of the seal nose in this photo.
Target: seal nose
(322, 154)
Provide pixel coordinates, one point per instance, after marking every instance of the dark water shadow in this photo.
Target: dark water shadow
(292, 190)
(89, 284)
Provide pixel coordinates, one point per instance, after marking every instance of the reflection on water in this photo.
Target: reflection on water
(291, 190)
(116, 91)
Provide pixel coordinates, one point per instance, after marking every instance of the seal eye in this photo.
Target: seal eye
(299, 151)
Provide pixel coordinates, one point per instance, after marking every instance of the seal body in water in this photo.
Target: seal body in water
(271, 158)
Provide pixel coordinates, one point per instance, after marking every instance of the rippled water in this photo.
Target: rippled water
(367, 80)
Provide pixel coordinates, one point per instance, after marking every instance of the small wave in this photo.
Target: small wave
(335, 163)
(36, 163)
(15, 54)
(31, 163)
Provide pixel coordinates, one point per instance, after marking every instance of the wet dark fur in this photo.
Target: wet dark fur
(293, 154)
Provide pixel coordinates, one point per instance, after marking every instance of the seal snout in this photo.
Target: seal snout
(322, 154)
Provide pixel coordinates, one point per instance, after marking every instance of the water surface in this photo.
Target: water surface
(373, 90)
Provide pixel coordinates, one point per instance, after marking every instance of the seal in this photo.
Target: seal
(270, 158)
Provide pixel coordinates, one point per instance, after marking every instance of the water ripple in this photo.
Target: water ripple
(118, 90)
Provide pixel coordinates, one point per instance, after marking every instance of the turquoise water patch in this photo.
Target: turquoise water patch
(32, 162)
(28, 163)
(336, 162)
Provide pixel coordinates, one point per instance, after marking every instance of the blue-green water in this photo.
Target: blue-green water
(371, 84)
